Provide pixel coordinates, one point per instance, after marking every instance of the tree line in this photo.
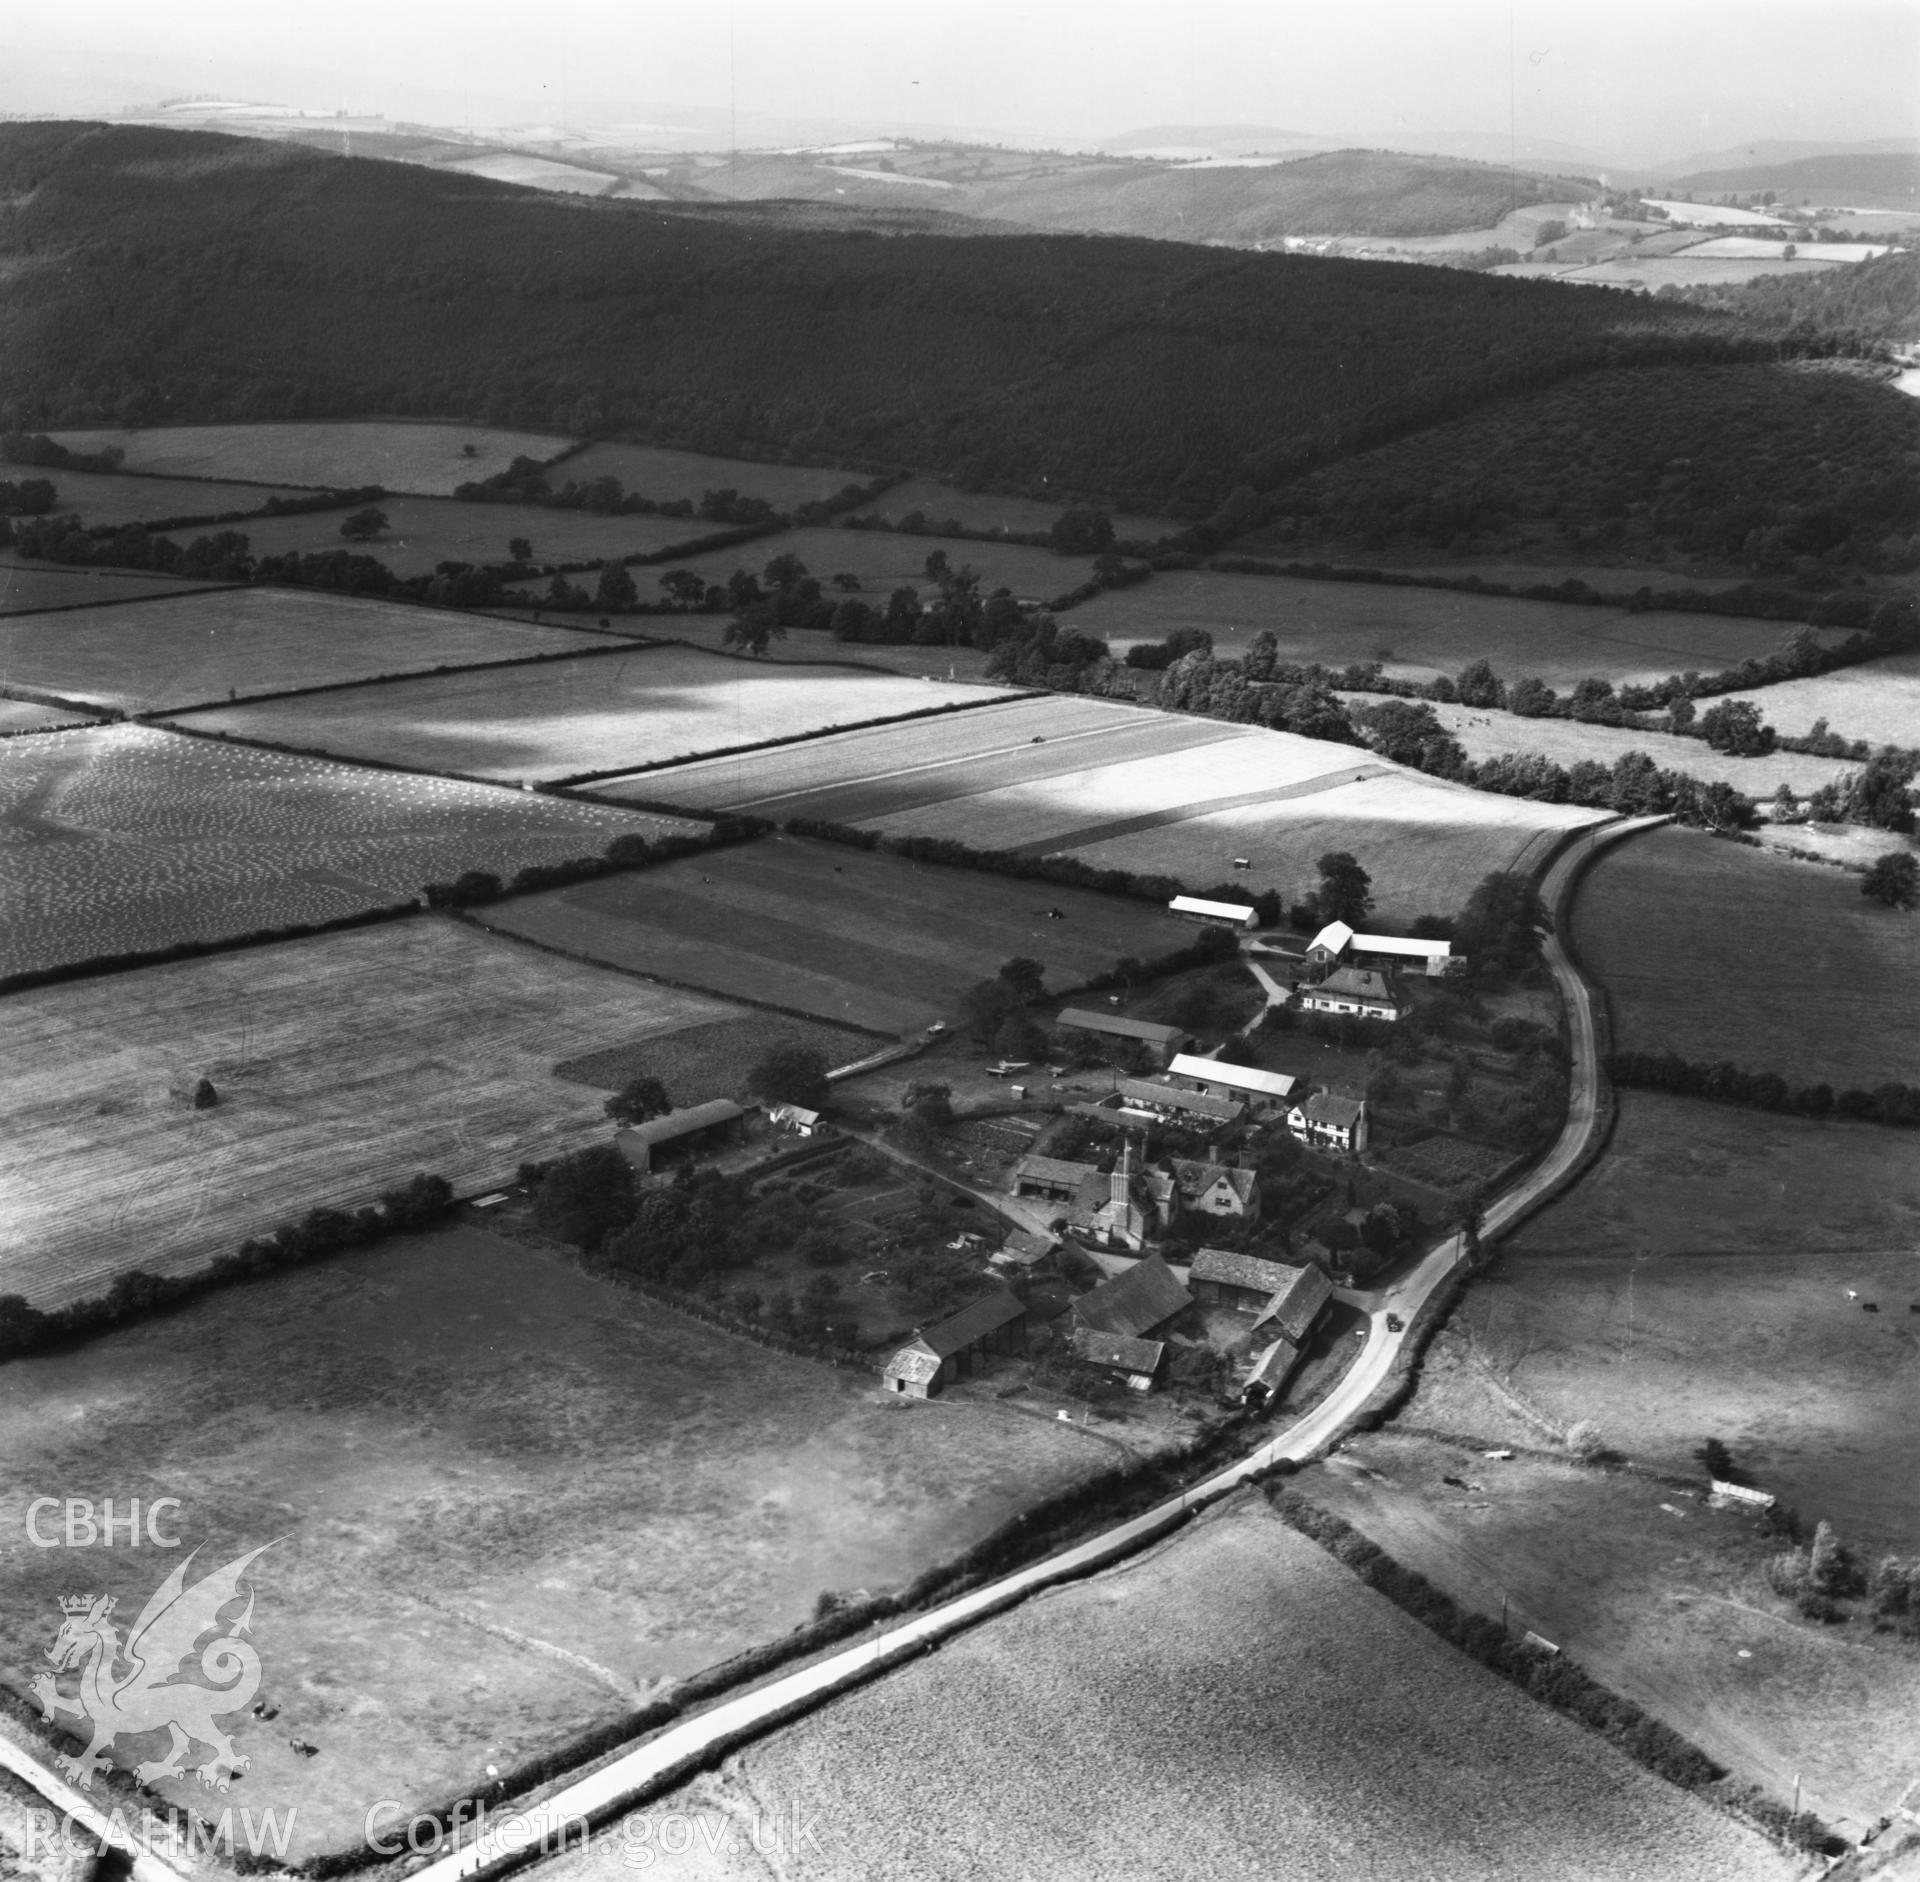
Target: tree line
(1724, 1083)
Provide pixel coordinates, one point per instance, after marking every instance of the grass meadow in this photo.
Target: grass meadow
(1717, 951)
(127, 838)
(344, 1064)
(641, 705)
(507, 1501)
(853, 936)
(30, 587)
(1233, 1704)
(23, 715)
(1417, 633)
(1878, 701)
(981, 509)
(420, 460)
(103, 497)
(666, 476)
(175, 651)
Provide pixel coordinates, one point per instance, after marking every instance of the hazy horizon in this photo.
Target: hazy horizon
(1633, 84)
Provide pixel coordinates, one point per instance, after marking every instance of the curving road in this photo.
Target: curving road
(675, 1752)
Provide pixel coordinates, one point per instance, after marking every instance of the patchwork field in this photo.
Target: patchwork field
(884, 562)
(665, 476)
(510, 1500)
(423, 532)
(1717, 951)
(22, 715)
(1568, 742)
(1417, 633)
(1659, 1597)
(99, 497)
(127, 838)
(344, 1063)
(1695, 1285)
(26, 587)
(1233, 1704)
(863, 938)
(422, 460)
(1878, 701)
(981, 509)
(640, 706)
(183, 651)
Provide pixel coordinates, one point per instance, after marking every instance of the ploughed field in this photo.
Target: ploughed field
(506, 1502)
(1233, 1704)
(127, 838)
(423, 532)
(856, 936)
(28, 587)
(1716, 951)
(1419, 633)
(638, 705)
(187, 650)
(1490, 734)
(343, 1063)
(422, 460)
(1156, 793)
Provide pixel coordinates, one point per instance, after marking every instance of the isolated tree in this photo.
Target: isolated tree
(1893, 880)
(986, 1006)
(1879, 795)
(364, 525)
(1017, 1037)
(753, 629)
(639, 1099)
(784, 571)
(204, 1095)
(791, 1073)
(585, 1197)
(520, 548)
(847, 584)
(616, 591)
(1734, 726)
(1716, 1460)
(1346, 890)
(1479, 685)
(1025, 976)
(1585, 1439)
(1530, 698)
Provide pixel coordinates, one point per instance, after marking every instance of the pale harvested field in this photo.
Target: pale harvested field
(423, 460)
(665, 476)
(1688, 270)
(423, 532)
(1878, 701)
(864, 938)
(510, 1500)
(98, 497)
(641, 705)
(981, 509)
(538, 173)
(190, 649)
(1417, 633)
(1426, 848)
(1695, 1285)
(1718, 951)
(1568, 742)
(344, 1064)
(1234, 1704)
(1658, 1597)
(870, 774)
(26, 587)
(884, 562)
(127, 838)
(22, 715)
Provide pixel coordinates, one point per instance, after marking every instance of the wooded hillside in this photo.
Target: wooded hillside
(156, 276)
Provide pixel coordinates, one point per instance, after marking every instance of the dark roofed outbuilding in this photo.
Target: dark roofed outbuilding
(1135, 1303)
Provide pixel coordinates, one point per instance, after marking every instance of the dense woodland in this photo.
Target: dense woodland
(159, 276)
(1872, 301)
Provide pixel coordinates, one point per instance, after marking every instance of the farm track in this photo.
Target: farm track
(695, 1743)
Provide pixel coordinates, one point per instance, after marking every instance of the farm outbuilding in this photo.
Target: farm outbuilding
(1224, 1278)
(1272, 1367)
(1338, 942)
(1197, 1108)
(1295, 1308)
(795, 1118)
(1137, 1361)
(699, 1127)
(1214, 914)
(1259, 1090)
(995, 1323)
(1163, 1042)
(1134, 1304)
(1051, 1178)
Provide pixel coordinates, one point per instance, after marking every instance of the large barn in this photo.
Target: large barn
(996, 1323)
(682, 1133)
(1134, 1304)
(1163, 1042)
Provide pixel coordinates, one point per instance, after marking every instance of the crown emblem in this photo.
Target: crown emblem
(82, 1604)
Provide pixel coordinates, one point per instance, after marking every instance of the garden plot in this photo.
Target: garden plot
(1233, 1704)
(638, 706)
(511, 1501)
(1419, 633)
(854, 936)
(175, 651)
(1716, 951)
(887, 770)
(422, 460)
(126, 838)
(344, 1063)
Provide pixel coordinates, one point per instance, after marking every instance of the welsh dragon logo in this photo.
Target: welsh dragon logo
(147, 1697)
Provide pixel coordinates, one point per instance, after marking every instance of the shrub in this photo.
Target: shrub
(1585, 1440)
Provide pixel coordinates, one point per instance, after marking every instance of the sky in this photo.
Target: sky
(1638, 82)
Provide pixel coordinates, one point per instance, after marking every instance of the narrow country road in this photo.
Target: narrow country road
(678, 1750)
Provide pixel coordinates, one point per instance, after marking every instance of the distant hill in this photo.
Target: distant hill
(1853, 179)
(1220, 140)
(150, 275)
(1341, 192)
